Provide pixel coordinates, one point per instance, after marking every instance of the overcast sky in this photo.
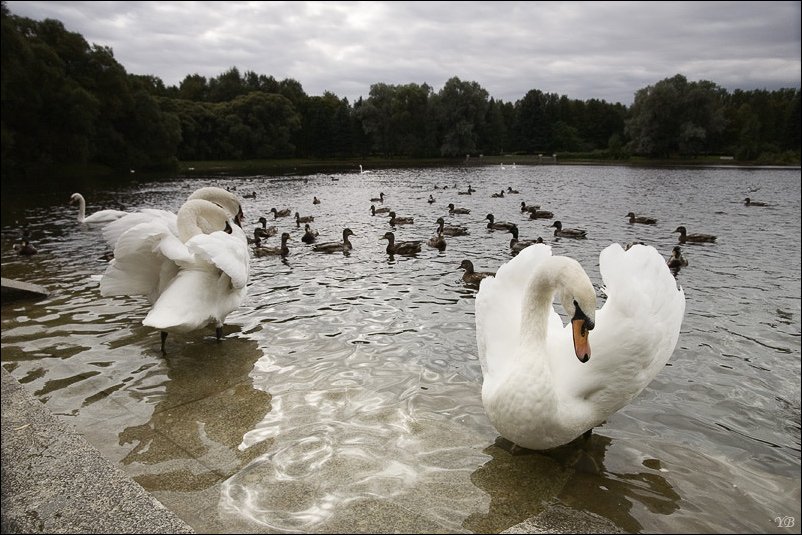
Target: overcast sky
(583, 50)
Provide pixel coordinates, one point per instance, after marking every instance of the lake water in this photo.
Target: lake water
(345, 395)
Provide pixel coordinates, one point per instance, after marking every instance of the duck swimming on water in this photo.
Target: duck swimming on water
(684, 237)
(561, 232)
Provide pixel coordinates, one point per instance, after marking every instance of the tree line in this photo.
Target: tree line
(65, 102)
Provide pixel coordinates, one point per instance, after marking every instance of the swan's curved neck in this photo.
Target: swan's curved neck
(81, 209)
(199, 217)
(555, 275)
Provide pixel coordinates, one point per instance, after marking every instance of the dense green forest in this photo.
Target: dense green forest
(66, 103)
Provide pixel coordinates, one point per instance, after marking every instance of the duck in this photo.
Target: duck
(472, 276)
(561, 232)
(380, 198)
(310, 235)
(517, 245)
(381, 210)
(437, 241)
(280, 213)
(431, 199)
(395, 220)
(676, 260)
(498, 195)
(333, 247)
(450, 230)
(693, 238)
(402, 247)
(283, 250)
(497, 225)
(454, 210)
(305, 219)
(641, 219)
(251, 195)
(540, 214)
(510, 190)
(264, 231)
(193, 277)
(469, 191)
(542, 387)
(529, 207)
(25, 248)
(750, 202)
(100, 217)
(315, 200)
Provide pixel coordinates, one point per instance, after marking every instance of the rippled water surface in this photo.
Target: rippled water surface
(345, 395)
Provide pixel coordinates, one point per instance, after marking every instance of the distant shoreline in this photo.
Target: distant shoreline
(287, 167)
(302, 166)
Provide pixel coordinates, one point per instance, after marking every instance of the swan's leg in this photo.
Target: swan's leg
(164, 338)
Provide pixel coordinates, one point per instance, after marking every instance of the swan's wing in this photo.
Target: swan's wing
(112, 231)
(228, 252)
(194, 298)
(498, 309)
(638, 326)
(145, 259)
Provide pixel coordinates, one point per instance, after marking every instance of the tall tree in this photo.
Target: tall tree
(675, 116)
(462, 112)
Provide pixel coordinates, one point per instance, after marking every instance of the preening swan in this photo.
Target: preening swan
(192, 278)
(99, 217)
(227, 200)
(542, 386)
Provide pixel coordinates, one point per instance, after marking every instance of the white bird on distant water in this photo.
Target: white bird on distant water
(541, 387)
(99, 217)
(195, 277)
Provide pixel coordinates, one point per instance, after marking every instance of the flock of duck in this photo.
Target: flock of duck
(540, 387)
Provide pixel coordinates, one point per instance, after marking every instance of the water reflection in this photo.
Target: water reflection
(522, 483)
(207, 405)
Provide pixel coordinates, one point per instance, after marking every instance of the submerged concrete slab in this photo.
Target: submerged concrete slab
(557, 518)
(54, 481)
(13, 290)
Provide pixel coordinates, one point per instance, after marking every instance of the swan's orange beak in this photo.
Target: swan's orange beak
(581, 343)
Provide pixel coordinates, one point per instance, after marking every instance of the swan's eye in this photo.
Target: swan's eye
(587, 324)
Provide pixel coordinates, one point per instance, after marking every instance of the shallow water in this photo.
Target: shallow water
(345, 395)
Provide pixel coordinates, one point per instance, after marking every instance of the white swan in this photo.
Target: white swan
(192, 278)
(99, 217)
(541, 389)
(227, 200)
